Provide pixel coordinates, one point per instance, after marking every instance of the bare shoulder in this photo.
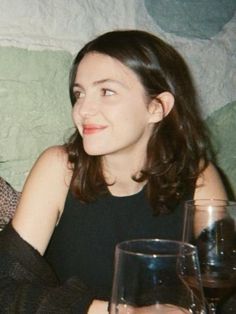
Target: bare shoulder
(57, 151)
(210, 185)
(55, 154)
(53, 161)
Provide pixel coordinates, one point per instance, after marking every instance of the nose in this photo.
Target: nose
(86, 107)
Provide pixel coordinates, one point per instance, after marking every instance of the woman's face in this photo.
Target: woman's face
(111, 111)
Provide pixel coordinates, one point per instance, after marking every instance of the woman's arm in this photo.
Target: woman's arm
(209, 185)
(43, 198)
(22, 244)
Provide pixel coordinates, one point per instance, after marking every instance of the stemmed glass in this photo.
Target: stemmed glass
(156, 277)
(211, 226)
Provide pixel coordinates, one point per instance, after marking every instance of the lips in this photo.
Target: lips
(93, 128)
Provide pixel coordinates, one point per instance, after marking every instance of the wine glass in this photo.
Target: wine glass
(211, 226)
(155, 276)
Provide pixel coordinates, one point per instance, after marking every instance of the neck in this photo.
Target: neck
(125, 188)
(119, 173)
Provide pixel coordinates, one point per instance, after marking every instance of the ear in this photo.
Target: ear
(160, 106)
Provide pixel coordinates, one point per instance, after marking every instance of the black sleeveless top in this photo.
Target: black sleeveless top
(83, 243)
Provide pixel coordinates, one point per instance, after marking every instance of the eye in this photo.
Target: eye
(78, 94)
(107, 92)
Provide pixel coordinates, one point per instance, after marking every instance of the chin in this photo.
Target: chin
(94, 152)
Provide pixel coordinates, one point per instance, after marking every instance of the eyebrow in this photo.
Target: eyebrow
(101, 82)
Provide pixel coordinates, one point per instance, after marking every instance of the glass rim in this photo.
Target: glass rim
(216, 202)
(131, 251)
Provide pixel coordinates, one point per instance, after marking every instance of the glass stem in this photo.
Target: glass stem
(212, 308)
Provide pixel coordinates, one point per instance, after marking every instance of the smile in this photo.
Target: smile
(92, 128)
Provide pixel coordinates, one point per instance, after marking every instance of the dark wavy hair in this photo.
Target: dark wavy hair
(177, 148)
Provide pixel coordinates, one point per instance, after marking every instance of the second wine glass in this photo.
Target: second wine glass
(211, 226)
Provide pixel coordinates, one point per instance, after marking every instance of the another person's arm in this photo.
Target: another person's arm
(9, 199)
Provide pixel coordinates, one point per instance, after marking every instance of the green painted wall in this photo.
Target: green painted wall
(34, 107)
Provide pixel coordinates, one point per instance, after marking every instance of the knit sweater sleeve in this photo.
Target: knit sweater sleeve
(29, 285)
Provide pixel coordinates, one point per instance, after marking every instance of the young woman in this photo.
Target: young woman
(138, 152)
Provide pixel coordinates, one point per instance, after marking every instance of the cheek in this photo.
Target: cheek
(75, 114)
(76, 119)
(137, 117)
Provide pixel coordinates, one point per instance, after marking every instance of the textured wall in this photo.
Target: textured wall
(35, 108)
(39, 38)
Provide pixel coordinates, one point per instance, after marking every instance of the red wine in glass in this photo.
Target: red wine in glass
(217, 253)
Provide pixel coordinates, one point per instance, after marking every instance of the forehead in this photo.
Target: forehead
(96, 66)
